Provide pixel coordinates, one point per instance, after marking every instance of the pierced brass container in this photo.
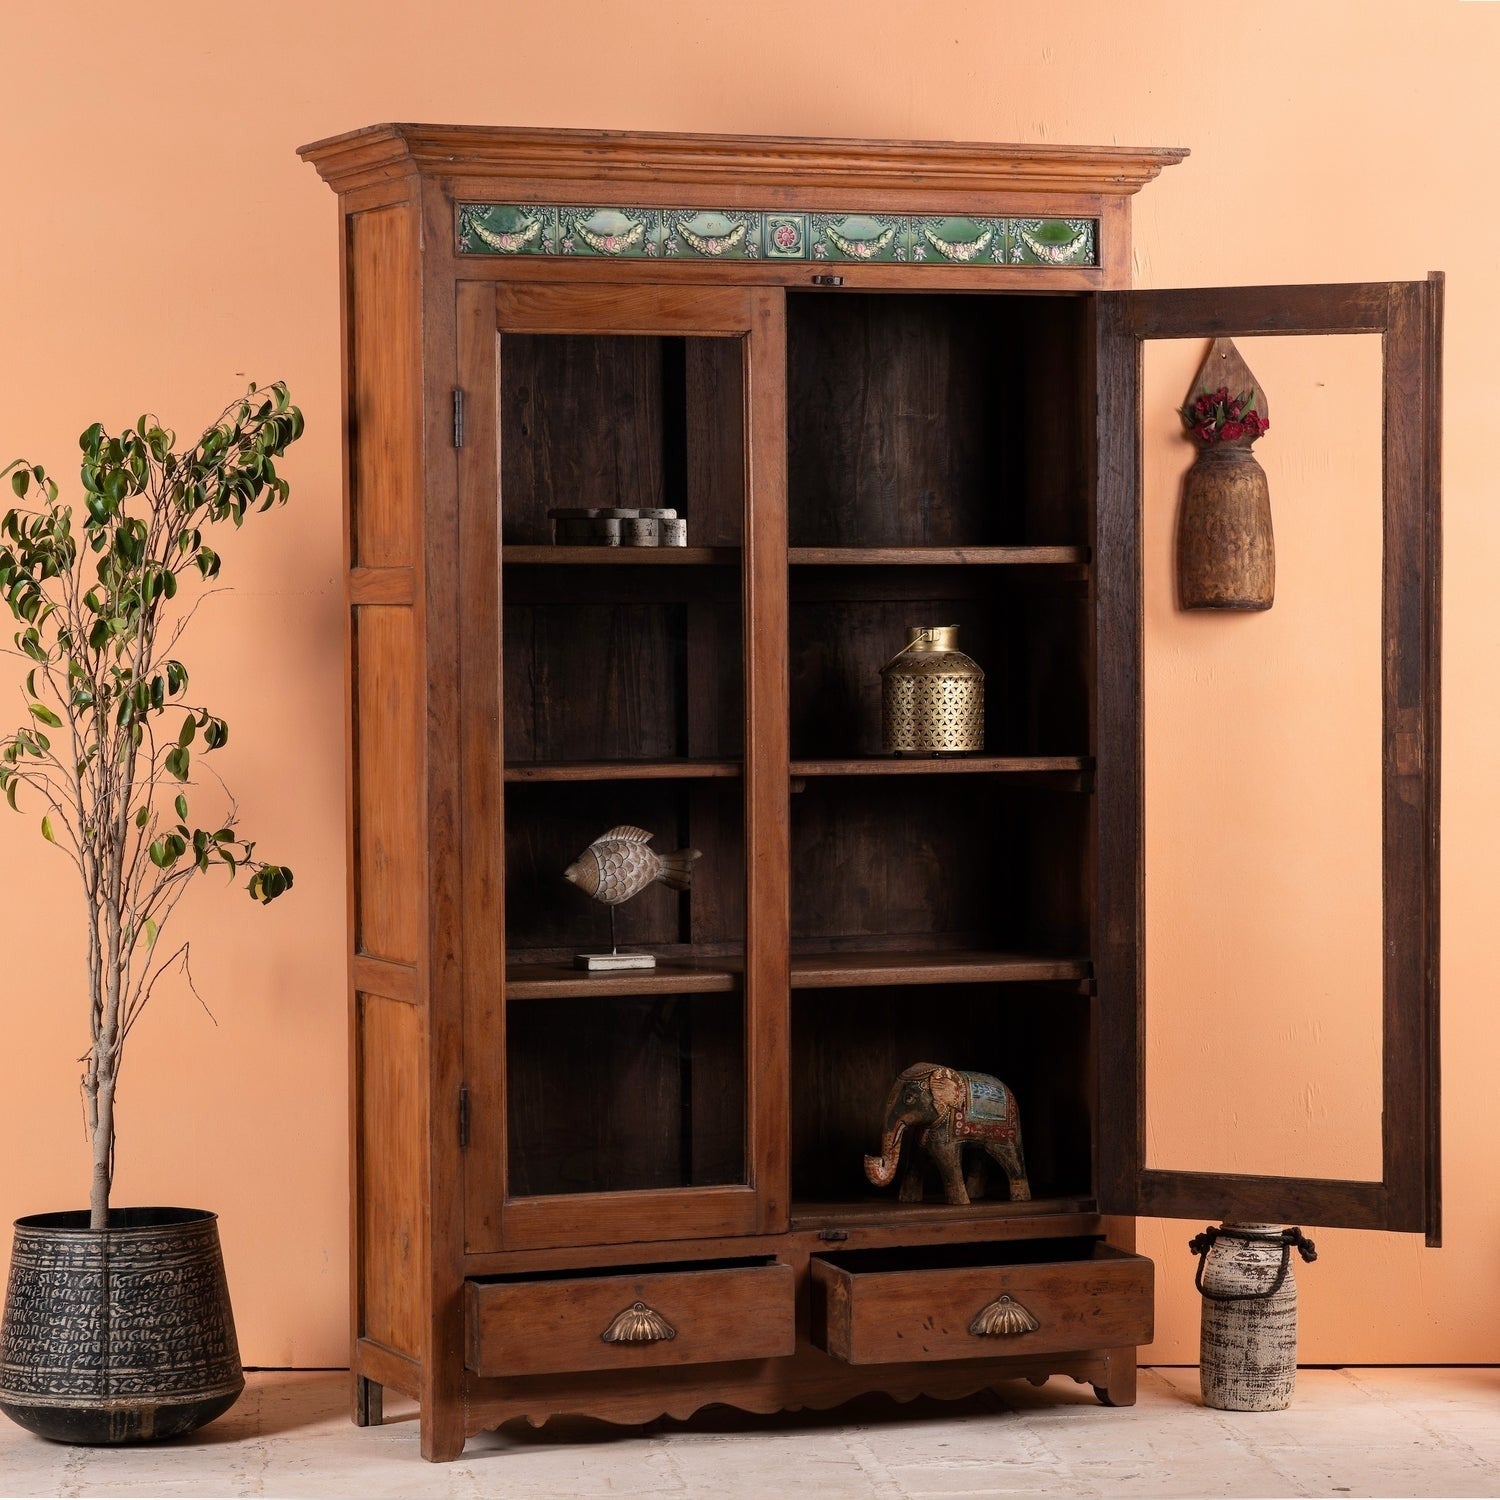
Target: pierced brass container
(932, 695)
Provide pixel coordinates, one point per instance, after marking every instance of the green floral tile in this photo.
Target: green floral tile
(785, 236)
(867, 238)
(752, 234)
(507, 229)
(958, 241)
(616, 233)
(700, 234)
(1054, 242)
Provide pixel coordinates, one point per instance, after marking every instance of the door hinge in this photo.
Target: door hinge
(458, 418)
(463, 1117)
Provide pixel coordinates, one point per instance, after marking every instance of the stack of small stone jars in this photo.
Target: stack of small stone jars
(615, 527)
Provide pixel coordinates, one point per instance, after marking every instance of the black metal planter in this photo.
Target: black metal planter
(118, 1335)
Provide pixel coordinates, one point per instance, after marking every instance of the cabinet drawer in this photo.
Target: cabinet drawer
(642, 1315)
(950, 1302)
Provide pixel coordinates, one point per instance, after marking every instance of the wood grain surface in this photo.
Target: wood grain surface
(540, 1326)
(881, 1316)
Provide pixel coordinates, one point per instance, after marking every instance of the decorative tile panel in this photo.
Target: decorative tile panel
(959, 241)
(1054, 242)
(752, 234)
(858, 237)
(701, 234)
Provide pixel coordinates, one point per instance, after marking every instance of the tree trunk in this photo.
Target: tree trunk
(104, 1142)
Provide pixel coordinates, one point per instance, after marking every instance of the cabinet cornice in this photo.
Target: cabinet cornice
(382, 152)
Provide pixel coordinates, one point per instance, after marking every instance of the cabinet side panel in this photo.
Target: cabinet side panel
(387, 774)
(390, 1176)
(385, 374)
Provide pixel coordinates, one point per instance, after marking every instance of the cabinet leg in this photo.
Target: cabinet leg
(442, 1432)
(1119, 1386)
(368, 1398)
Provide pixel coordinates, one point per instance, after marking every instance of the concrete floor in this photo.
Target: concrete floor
(1349, 1432)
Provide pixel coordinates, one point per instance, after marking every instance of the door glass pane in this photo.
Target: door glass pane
(1263, 788)
(935, 478)
(635, 1092)
(623, 694)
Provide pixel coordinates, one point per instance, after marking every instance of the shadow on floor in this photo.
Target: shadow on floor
(275, 1402)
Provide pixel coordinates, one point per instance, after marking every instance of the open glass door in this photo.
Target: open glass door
(624, 762)
(1280, 1065)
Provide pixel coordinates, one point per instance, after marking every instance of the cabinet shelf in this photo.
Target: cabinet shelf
(887, 557)
(561, 982)
(866, 1212)
(956, 765)
(809, 971)
(550, 555)
(827, 971)
(622, 770)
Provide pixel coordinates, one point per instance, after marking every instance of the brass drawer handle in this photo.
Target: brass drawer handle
(638, 1324)
(1001, 1318)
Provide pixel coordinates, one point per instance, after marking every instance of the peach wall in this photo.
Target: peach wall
(163, 244)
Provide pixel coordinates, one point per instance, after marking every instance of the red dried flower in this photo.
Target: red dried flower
(1216, 417)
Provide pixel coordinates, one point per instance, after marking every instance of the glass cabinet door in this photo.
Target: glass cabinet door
(1266, 916)
(624, 762)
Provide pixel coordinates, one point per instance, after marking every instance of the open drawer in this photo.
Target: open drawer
(630, 1316)
(1022, 1297)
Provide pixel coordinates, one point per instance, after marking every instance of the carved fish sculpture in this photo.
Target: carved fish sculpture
(618, 865)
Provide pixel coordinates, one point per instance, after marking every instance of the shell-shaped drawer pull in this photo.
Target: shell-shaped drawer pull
(1002, 1318)
(638, 1324)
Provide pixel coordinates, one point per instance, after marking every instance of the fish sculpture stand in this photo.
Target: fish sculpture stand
(617, 866)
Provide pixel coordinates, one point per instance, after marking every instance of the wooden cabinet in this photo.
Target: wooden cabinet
(887, 385)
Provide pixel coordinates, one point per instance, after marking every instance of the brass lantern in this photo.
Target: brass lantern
(932, 695)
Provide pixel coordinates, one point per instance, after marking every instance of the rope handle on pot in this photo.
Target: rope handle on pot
(1201, 1244)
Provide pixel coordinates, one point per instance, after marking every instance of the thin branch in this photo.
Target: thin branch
(180, 953)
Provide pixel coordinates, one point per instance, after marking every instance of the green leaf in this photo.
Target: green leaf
(270, 882)
(151, 931)
(181, 805)
(159, 856)
(185, 734)
(142, 817)
(20, 481)
(47, 830)
(50, 719)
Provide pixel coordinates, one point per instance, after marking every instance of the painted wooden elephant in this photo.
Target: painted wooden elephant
(953, 1110)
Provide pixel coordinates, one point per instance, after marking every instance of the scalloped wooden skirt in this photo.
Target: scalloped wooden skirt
(119, 1335)
(1226, 554)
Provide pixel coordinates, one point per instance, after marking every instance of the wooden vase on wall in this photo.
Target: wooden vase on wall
(1226, 553)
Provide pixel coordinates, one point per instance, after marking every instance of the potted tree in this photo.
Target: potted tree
(117, 1320)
